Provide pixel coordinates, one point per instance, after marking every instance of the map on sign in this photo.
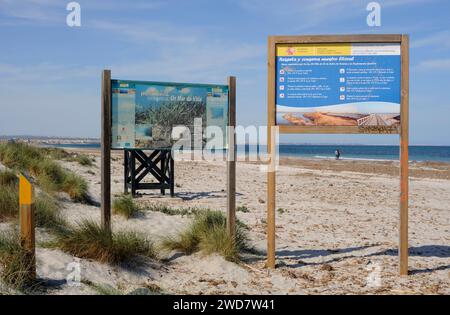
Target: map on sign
(144, 113)
(350, 84)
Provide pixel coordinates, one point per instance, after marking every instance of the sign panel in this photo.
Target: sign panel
(144, 113)
(343, 84)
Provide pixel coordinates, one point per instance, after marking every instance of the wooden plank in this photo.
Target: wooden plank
(231, 160)
(404, 158)
(27, 225)
(320, 39)
(106, 151)
(271, 154)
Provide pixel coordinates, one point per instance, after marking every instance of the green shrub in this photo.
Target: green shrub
(208, 233)
(90, 240)
(125, 206)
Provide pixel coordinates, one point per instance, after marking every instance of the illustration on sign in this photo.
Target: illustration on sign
(144, 113)
(353, 84)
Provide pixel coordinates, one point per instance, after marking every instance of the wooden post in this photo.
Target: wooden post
(106, 151)
(271, 156)
(163, 170)
(126, 171)
(133, 172)
(27, 231)
(172, 175)
(404, 159)
(231, 160)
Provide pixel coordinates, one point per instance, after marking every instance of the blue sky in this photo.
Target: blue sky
(50, 73)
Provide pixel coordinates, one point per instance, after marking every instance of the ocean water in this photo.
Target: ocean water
(354, 152)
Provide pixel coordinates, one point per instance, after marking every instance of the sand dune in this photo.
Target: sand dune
(338, 226)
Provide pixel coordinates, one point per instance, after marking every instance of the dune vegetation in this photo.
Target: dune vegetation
(125, 206)
(14, 263)
(41, 165)
(208, 233)
(90, 240)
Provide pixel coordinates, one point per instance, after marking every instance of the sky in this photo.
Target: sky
(50, 72)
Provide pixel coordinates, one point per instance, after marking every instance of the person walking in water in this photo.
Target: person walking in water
(337, 153)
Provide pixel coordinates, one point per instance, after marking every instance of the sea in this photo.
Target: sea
(349, 152)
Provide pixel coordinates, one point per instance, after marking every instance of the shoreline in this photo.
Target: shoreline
(282, 157)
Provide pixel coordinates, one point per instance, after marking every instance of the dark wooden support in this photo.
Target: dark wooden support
(127, 171)
(231, 160)
(106, 151)
(159, 164)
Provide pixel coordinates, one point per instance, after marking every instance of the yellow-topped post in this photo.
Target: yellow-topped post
(27, 231)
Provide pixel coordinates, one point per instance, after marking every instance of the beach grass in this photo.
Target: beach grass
(208, 234)
(40, 164)
(83, 160)
(243, 209)
(60, 154)
(166, 209)
(14, 263)
(9, 202)
(89, 240)
(125, 206)
(48, 214)
(8, 178)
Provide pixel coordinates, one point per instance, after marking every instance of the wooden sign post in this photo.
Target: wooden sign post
(231, 159)
(350, 45)
(27, 229)
(106, 151)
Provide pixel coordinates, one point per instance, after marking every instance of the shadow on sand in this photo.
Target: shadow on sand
(439, 251)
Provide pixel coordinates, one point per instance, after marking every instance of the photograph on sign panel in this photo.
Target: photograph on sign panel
(144, 114)
(338, 85)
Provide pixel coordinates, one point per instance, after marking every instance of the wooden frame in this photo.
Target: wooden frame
(403, 130)
(106, 137)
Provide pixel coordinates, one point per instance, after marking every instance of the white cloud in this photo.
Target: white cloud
(440, 40)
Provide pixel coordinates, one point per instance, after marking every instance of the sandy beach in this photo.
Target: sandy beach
(337, 230)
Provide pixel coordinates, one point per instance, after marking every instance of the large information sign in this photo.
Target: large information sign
(338, 84)
(144, 113)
